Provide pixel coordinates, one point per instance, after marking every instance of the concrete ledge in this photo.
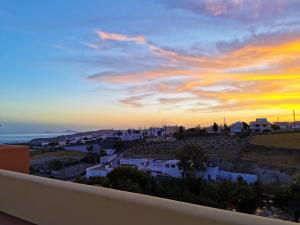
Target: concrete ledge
(51, 202)
(6, 219)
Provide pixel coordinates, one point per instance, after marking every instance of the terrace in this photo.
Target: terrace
(27, 199)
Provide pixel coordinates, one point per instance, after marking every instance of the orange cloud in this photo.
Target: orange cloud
(254, 76)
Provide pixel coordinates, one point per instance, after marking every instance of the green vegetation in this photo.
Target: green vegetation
(240, 196)
(215, 127)
(224, 195)
(58, 154)
(55, 164)
(192, 159)
(287, 160)
(130, 179)
(286, 197)
(119, 146)
(278, 140)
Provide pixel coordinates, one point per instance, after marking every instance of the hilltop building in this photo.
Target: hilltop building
(260, 125)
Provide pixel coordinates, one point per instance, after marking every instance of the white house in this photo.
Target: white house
(296, 125)
(171, 130)
(98, 171)
(237, 128)
(43, 144)
(170, 168)
(107, 159)
(155, 132)
(231, 176)
(128, 135)
(211, 173)
(140, 164)
(260, 125)
(62, 143)
(284, 125)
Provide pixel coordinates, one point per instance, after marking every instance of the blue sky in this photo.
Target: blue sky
(107, 63)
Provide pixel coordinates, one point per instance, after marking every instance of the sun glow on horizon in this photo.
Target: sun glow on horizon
(180, 62)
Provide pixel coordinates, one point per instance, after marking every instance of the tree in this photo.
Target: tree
(275, 127)
(55, 164)
(226, 128)
(245, 126)
(129, 179)
(192, 159)
(293, 196)
(180, 135)
(245, 198)
(119, 145)
(215, 128)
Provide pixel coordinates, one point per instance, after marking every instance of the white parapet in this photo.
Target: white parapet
(46, 201)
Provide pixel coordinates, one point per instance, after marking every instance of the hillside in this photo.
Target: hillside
(278, 140)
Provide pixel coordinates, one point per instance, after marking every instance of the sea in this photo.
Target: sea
(23, 138)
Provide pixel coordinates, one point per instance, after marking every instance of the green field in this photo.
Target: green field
(278, 140)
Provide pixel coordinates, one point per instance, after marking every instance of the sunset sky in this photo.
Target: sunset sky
(70, 64)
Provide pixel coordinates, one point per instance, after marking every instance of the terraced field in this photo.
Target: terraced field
(221, 147)
(48, 156)
(236, 153)
(278, 140)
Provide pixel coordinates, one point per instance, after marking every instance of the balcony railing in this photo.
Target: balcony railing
(51, 202)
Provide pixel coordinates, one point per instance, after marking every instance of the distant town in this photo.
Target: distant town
(246, 167)
(258, 152)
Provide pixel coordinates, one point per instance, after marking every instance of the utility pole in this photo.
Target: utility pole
(294, 115)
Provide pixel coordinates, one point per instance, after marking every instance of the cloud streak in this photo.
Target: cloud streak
(120, 37)
(243, 10)
(229, 81)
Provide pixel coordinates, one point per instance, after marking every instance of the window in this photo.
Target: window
(172, 166)
(167, 166)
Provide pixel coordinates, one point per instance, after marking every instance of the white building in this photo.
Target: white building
(169, 131)
(211, 173)
(237, 128)
(234, 177)
(128, 135)
(171, 168)
(43, 144)
(260, 125)
(296, 125)
(140, 164)
(107, 159)
(155, 132)
(284, 125)
(62, 143)
(98, 171)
